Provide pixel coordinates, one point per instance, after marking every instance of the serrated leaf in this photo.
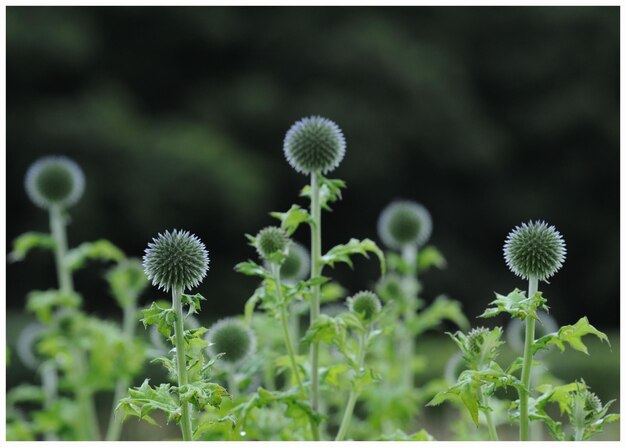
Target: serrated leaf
(332, 375)
(144, 400)
(571, 334)
(343, 252)
(292, 218)
(202, 394)
(517, 305)
(28, 241)
(102, 250)
(329, 190)
(193, 301)
(163, 317)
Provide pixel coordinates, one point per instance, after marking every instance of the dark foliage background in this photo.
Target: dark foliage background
(488, 116)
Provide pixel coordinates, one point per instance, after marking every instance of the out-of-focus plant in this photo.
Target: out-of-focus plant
(534, 251)
(405, 227)
(175, 262)
(75, 354)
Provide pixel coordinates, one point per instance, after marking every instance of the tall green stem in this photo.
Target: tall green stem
(49, 383)
(128, 329)
(527, 366)
(354, 393)
(84, 394)
(316, 254)
(181, 362)
(409, 256)
(289, 344)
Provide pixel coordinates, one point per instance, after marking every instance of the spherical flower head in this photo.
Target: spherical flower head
(54, 181)
(270, 241)
(314, 145)
(296, 264)
(592, 402)
(390, 288)
(534, 249)
(365, 304)
(232, 338)
(475, 339)
(176, 260)
(404, 223)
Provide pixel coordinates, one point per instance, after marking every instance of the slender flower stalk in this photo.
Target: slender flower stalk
(409, 255)
(354, 393)
(527, 365)
(316, 254)
(181, 364)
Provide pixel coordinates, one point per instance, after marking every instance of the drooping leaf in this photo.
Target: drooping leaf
(571, 334)
(517, 305)
(440, 310)
(330, 191)
(343, 252)
(28, 241)
(193, 301)
(102, 250)
(429, 257)
(251, 268)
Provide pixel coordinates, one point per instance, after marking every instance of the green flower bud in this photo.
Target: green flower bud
(232, 338)
(534, 250)
(54, 181)
(270, 241)
(314, 145)
(404, 223)
(365, 304)
(390, 288)
(176, 260)
(296, 265)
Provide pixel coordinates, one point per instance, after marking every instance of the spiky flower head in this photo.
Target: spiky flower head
(403, 223)
(296, 264)
(54, 180)
(534, 249)
(176, 260)
(479, 346)
(314, 145)
(270, 241)
(390, 288)
(233, 338)
(365, 304)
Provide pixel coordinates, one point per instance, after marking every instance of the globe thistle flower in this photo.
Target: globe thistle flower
(404, 223)
(365, 304)
(314, 145)
(270, 241)
(54, 180)
(534, 249)
(176, 260)
(296, 264)
(390, 288)
(232, 338)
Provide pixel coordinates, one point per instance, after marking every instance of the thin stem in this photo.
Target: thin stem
(57, 226)
(316, 254)
(121, 387)
(49, 382)
(527, 366)
(84, 394)
(181, 363)
(409, 255)
(289, 344)
(354, 393)
(493, 434)
(233, 385)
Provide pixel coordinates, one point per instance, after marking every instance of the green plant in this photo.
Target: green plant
(534, 251)
(177, 261)
(74, 352)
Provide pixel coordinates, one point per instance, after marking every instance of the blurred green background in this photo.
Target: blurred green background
(488, 116)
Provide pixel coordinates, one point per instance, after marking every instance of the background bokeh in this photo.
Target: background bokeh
(488, 116)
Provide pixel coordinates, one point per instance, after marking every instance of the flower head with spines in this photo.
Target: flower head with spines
(271, 241)
(314, 145)
(534, 249)
(54, 181)
(403, 223)
(296, 264)
(365, 304)
(232, 338)
(176, 260)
